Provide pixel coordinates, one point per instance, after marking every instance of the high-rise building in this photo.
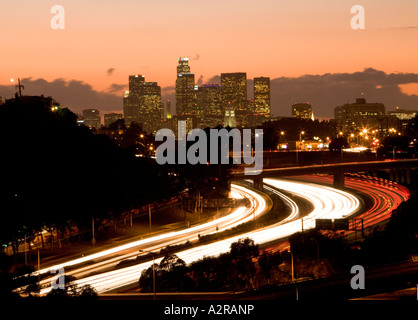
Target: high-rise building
(151, 111)
(168, 110)
(302, 111)
(360, 115)
(185, 88)
(131, 99)
(234, 94)
(110, 118)
(262, 104)
(209, 101)
(91, 118)
(230, 118)
(142, 104)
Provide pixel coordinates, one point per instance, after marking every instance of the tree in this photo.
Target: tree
(242, 253)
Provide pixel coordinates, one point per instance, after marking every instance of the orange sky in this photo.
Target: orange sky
(263, 38)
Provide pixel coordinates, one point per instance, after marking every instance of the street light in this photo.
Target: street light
(153, 269)
(297, 148)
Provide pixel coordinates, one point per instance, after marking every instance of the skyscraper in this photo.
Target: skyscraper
(151, 111)
(234, 95)
(131, 99)
(168, 110)
(210, 102)
(230, 118)
(185, 92)
(142, 104)
(262, 104)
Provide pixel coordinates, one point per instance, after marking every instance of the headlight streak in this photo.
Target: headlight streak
(238, 216)
(327, 202)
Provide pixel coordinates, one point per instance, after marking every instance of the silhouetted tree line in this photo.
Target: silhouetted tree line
(56, 174)
(229, 271)
(292, 127)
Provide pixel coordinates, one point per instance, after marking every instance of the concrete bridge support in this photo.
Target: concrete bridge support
(339, 179)
(258, 183)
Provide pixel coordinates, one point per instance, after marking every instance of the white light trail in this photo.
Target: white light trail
(327, 203)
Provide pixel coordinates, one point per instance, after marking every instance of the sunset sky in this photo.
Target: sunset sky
(105, 40)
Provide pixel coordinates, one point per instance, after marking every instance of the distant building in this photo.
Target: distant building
(359, 115)
(403, 117)
(142, 104)
(230, 118)
(262, 105)
(151, 110)
(234, 95)
(403, 114)
(208, 100)
(110, 118)
(302, 111)
(185, 91)
(91, 118)
(168, 110)
(131, 99)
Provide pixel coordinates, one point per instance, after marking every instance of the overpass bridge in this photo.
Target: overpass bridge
(400, 171)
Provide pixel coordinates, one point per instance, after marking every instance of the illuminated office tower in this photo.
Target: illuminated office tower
(234, 95)
(185, 90)
(302, 111)
(151, 111)
(230, 118)
(209, 101)
(168, 110)
(360, 115)
(131, 99)
(262, 96)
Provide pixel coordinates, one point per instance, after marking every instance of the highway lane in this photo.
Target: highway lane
(386, 196)
(326, 201)
(108, 259)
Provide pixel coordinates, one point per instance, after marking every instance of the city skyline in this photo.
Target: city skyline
(292, 42)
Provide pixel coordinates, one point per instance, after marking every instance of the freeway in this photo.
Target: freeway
(106, 260)
(326, 202)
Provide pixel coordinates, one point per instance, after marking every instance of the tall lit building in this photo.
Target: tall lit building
(185, 91)
(302, 111)
(142, 104)
(151, 111)
(168, 110)
(110, 118)
(262, 103)
(209, 101)
(234, 94)
(359, 115)
(230, 118)
(131, 99)
(91, 118)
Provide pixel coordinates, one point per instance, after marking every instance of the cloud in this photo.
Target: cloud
(117, 88)
(199, 81)
(110, 71)
(74, 94)
(324, 92)
(196, 58)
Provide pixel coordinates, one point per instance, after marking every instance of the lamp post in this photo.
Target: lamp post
(297, 148)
